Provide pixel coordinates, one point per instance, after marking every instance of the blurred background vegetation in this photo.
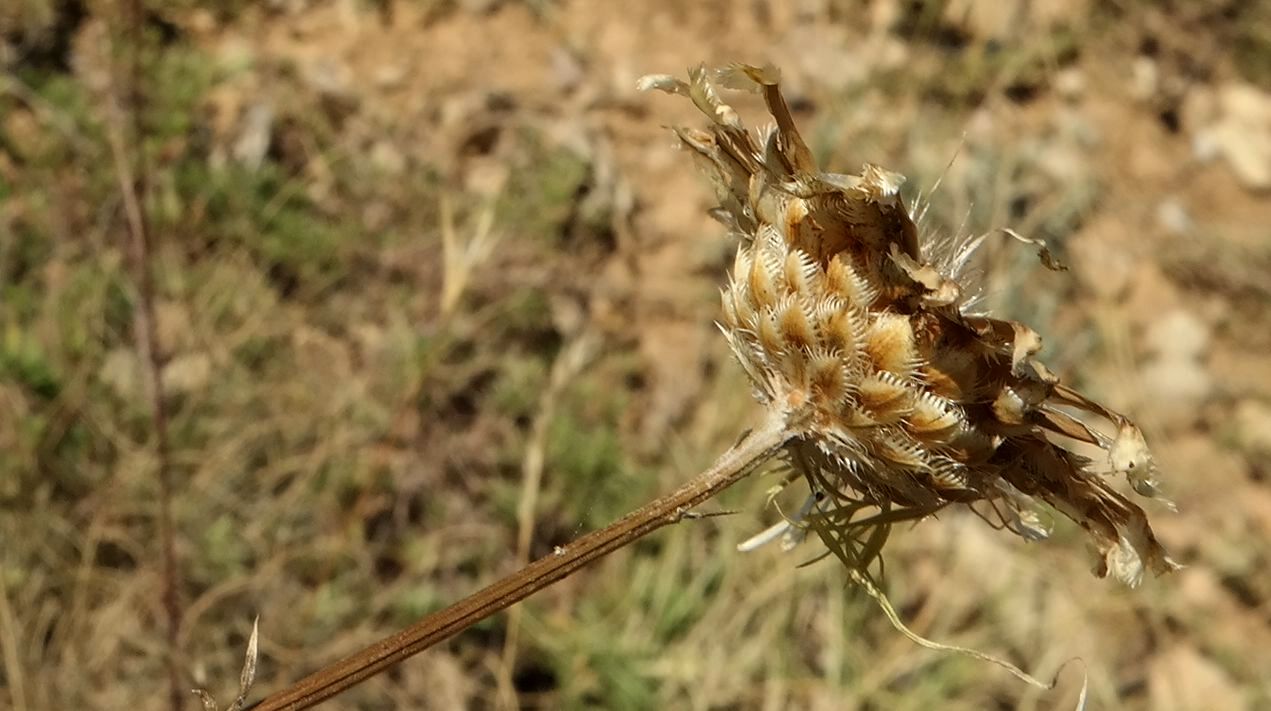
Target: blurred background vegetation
(417, 264)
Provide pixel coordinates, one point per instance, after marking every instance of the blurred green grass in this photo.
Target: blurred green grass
(348, 458)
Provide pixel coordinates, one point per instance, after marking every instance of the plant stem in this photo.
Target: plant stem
(754, 449)
(126, 134)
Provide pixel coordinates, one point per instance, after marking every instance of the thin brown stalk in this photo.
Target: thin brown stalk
(754, 449)
(124, 134)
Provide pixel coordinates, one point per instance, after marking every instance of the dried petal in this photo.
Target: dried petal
(662, 82)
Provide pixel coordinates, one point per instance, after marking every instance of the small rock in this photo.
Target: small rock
(1150, 290)
(566, 69)
(888, 52)
(202, 22)
(389, 76)
(1183, 679)
(234, 54)
(255, 136)
(187, 373)
(461, 109)
(26, 136)
(376, 216)
(1174, 380)
(1175, 388)
(329, 77)
(1199, 107)
(1070, 83)
(1178, 335)
(121, 372)
(1246, 103)
(1241, 134)
(1248, 154)
(1064, 163)
(982, 129)
(1253, 426)
(485, 176)
(1100, 261)
(884, 15)
(1145, 78)
(172, 326)
(1205, 147)
(981, 19)
(1173, 217)
(387, 159)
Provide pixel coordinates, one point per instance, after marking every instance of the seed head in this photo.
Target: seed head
(903, 399)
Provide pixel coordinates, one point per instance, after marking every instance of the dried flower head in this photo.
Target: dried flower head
(903, 399)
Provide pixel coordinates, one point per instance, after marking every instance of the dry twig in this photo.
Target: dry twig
(124, 133)
(756, 448)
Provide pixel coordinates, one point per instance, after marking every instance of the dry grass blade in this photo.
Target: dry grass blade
(572, 359)
(246, 677)
(124, 133)
(459, 257)
(10, 656)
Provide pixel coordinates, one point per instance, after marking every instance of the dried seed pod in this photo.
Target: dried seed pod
(903, 400)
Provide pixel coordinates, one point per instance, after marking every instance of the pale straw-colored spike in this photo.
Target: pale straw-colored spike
(796, 324)
(891, 345)
(799, 275)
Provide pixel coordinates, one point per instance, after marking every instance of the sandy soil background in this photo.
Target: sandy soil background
(415, 261)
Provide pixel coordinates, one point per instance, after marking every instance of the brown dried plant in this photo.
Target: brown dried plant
(902, 399)
(882, 386)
